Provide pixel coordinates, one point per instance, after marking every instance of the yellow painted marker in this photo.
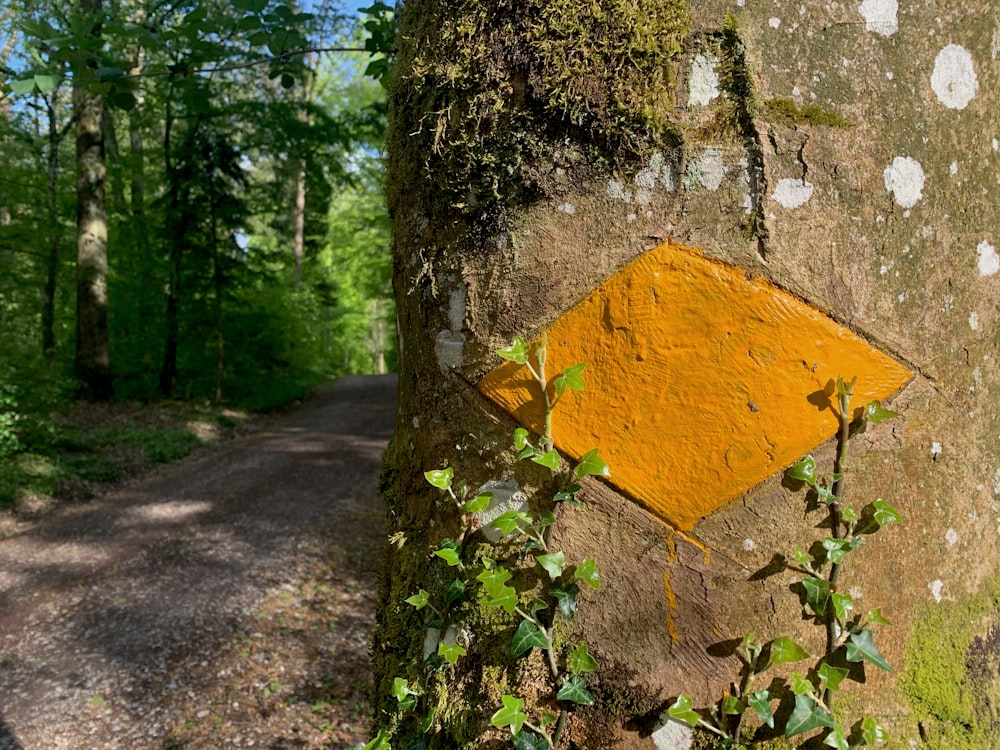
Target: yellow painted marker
(698, 380)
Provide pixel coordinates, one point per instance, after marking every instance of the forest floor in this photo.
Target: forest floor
(227, 601)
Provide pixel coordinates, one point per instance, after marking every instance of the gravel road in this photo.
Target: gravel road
(144, 619)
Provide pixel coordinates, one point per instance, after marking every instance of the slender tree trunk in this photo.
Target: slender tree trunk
(299, 242)
(93, 366)
(55, 232)
(220, 338)
(168, 368)
(579, 173)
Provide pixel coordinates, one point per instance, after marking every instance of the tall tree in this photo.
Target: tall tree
(538, 149)
(93, 358)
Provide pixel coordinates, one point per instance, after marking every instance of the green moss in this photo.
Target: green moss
(787, 112)
(951, 677)
(490, 96)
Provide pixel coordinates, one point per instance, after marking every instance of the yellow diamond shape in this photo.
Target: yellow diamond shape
(698, 380)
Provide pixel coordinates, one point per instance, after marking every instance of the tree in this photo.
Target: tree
(536, 149)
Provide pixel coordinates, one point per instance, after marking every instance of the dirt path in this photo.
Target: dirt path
(226, 604)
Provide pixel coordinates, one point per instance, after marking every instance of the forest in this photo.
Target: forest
(190, 205)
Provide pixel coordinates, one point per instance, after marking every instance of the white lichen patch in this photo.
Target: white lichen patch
(709, 170)
(672, 735)
(749, 545)
(904, 178)
(954, 78)
(936, 587)
(880, 16)
(974, 321)
(566, 208)
(951, 536)
(989, 261)
(703, 86)
(792, 193)
(935, 449)
(774, 22)
(996, 482)
(618, 191)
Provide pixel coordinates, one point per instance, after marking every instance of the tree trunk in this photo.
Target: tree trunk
(603, 173)
(92, 344)
(55, 232)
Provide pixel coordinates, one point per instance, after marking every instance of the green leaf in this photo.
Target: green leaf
(510, 715)
(817, 593)
(516, 352)
(419, 600)
(570, 379)
(498, 594)
(874, 412)
(760, 702)
(876, 616)
(848, 514)
(457, 591)
(836, 739)
(785, 651)
(528, 740)
(732, 706)
(25, 86)
(553, 564)
(520, 438)
(381, 741)
(449, 555)
(512, 520)
(567, 494)
(479, 503)
(806, 716)
(401, 688)
(801, 556)
(440, 478)
(586, 571)
(802, 686)
(872, 732)
(581, 661)
(837, 549)
(884, 513)
(450, 651)
(681, 710)
(550, 459)
(537, 605)
(44, 83)
(526, 637)
(832, 676)
(566, 599)
(591, 464)
(546, 519)
(842, 605)
(861, 646)
(804, 470)
(575, 690)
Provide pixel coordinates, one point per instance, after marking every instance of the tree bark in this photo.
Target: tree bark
(93, 367)
(534, 153)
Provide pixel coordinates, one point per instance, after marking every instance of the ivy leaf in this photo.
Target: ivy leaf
(510, 521)
(570, 379)
(498, 593)
(516, 352)
(848, 514)
(884, 513)
(457, 591)
(520, 438)
(872, 732)
(836, 739)
(804, 470)
(510, 715)
(837, 549)
(400, 688)
(581, 661)
(553, 564)
(806, 716)
(591, 464)
(440, 478)
(861, 645)
(450, 652)
(817, 593)
(550, 459)
(479, 503)
(586, 571)
(546, 519)
(575, 690)
(526, 637)
(381, 741)
(785, 651)
(681, 710)
(567, 495)
(874, 412)
(732, 706)
(832, 676)
(449, 555)
(506, 600)
(842, 605)
(802, 557)
(876, 616)
(760, 702)
(530, 741)
(802, 686)
(566, 599)
(419, 600)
